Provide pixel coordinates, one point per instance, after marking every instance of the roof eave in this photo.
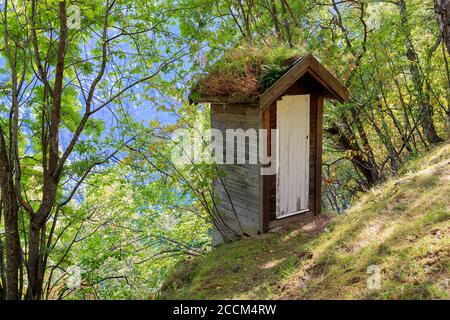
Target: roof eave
(310, 65)
(224, 100)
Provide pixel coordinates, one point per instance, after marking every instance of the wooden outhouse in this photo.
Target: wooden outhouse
(249, 202)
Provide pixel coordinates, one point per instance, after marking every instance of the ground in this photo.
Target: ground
(401, 229)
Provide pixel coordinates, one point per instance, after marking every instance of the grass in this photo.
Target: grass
(402, 228)
(244, 71)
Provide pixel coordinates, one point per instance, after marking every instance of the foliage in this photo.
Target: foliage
(245, 71)
(129, 241)
(87, 116)
(390, 56)
(77, 78)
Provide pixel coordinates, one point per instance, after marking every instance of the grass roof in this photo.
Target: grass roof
(244, 71)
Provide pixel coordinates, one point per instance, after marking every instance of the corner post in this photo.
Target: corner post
(318, 169)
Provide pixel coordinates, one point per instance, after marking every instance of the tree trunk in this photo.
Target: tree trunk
(426, 114)
(10, 211)
(276, 23)
(287, 26)
(2, 265)
(448, 123)
(12, 251)
(34, 265)
(346, 140)
(423, 98)
(12, 241)
(384, 137)
(442, 10)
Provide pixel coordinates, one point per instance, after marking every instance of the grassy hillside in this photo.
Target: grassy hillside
(402, 227)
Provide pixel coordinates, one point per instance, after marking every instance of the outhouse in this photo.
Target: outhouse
(249, 201)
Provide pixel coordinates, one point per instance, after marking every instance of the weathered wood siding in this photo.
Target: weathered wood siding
(238, 190)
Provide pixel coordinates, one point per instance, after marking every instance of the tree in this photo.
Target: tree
(386, 52)
(71, 73)
(442, 10)
(423, 98)
(63, 66)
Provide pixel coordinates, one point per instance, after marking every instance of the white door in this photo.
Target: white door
(293, 155)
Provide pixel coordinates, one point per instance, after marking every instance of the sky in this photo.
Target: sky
(142, 105)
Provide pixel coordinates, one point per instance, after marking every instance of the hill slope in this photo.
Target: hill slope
(401, 228)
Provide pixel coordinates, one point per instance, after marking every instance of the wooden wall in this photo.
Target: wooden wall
(247, 199)
(239, 189)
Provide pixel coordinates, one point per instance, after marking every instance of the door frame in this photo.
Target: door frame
(268, 220)
(298, 155)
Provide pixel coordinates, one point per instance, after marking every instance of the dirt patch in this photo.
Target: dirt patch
(308, 223)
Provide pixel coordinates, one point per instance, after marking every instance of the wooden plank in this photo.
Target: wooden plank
(246, 190)
(266, 178)
(239, 193)
(234, 172)
(271, 180)
(260, 185)
(245, 111)
(250, 198)
(227, 209)
(312, 152)
(235, 124)
(235, 99)
(243, 185)
(239, 167)
(269, 183)
(234, 117)
(249, 227)
(293, 123)
(318, 160)
(247, 178)
(242, 209)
